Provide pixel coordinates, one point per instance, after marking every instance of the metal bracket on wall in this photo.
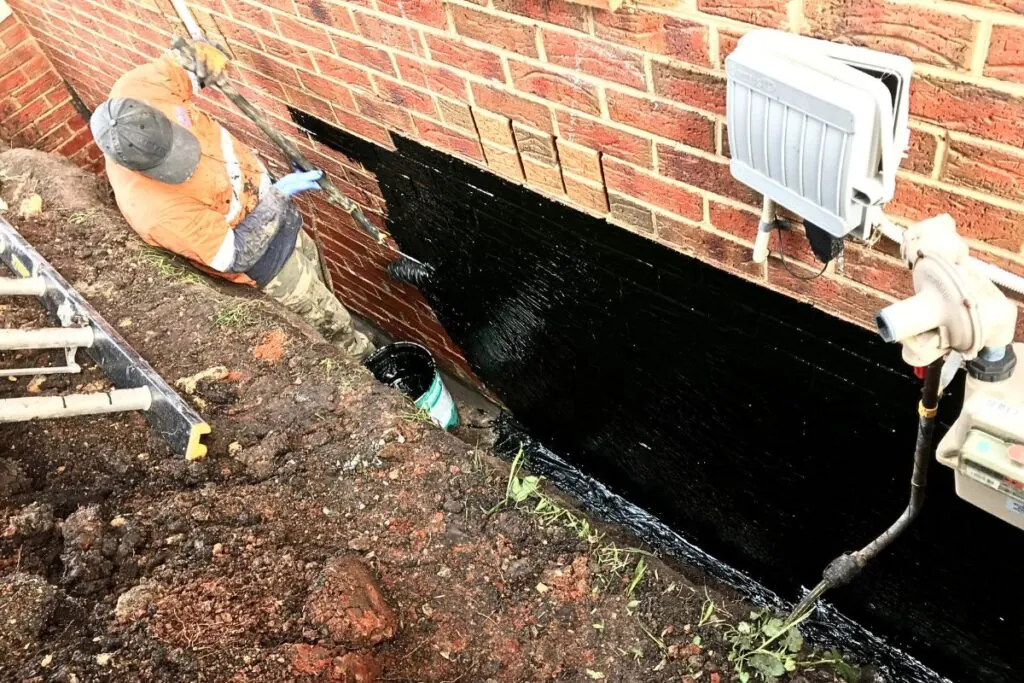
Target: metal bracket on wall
(139, 385)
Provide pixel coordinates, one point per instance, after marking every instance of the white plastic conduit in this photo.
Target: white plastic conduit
(997, 275)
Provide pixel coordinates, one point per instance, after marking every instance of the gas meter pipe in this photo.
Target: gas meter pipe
(847, 566)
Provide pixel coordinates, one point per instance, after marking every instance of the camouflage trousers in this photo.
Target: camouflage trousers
(300, 288)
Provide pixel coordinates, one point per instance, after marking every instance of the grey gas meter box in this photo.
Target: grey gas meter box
(817, 127)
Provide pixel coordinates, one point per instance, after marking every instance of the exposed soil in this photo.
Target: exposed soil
(329, 535)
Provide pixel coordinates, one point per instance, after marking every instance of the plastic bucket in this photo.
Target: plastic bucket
(411, 369)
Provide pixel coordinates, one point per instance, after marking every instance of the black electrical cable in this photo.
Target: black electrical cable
(782, 258)
(847, 566)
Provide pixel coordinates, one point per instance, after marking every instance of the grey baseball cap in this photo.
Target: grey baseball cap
(141, 138)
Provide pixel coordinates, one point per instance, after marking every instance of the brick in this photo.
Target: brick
(12, 81)
(456, 114)
(384, 112)
(920, 33)
(564, 89)
(361, 53)
(428, 12)
(535, 145)
(713, 176)
(661, 118)
(294, 55)
(557, 12)
(580, 161)
(769, 13)
(709, 247)
(60, 115)
(11, 60)
(496, 30)
(23, 117)
(364, 128)
(595, 58)
(438, 79)
(590, 196)
(310, 35)
(632, 181)
(343, 72)
(986, 168)
(1006, 53)
(387, 32)
(515, 107)
(969, 108)
(1016, 6)
(697, 89)
(493, 129)
(738, 222)
(450, 139)
(326, 12)
(665, 35)
(727, 41)
(251, 14)
(504, 162)
(543, 176)
(14, 35)
(994, 225)
(605, 138)
(405, 97)
(876, 270)
(330, 91)
(920, 152)
(462, 56)
(629, 214)
(855, 304)
(81, 140)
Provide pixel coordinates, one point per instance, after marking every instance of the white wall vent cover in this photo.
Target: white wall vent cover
(817, 127)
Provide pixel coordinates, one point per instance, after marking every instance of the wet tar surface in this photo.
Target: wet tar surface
(765, 432)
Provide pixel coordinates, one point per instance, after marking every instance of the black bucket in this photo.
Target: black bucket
(411, 369)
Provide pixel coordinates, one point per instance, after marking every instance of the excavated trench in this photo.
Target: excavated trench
(758, 433)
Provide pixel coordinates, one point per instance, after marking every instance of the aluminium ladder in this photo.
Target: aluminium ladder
(139, 386)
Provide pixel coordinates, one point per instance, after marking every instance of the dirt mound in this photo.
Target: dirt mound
(61, 185)
(331, 533)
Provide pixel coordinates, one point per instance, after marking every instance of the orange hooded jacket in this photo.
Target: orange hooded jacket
(192, 219)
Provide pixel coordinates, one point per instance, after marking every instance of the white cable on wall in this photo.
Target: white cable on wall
(997, 275)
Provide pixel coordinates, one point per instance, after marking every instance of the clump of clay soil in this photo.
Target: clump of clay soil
(331, 534)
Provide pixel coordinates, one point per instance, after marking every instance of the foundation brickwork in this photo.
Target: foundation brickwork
(618, 114)
(36, 109)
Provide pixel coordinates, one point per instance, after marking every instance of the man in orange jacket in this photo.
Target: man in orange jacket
(185, 184)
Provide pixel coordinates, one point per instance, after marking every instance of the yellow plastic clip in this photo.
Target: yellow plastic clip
(928, 413)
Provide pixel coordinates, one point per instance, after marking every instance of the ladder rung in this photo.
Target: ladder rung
(22, 286)
(46, 338)
(46, 370)
(72, 405)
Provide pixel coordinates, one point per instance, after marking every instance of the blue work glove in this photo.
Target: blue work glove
(294, 183)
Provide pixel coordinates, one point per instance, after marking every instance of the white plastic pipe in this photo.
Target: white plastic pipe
(764, 230)
(46, 338)
(910, 317)
(22, 286)
(1001, 277)
(187, 18)
(997, 275)
(73, 405)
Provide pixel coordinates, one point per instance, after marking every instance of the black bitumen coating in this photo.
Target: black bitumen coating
(767, 432)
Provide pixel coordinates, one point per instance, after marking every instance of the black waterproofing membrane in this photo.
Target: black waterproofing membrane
(755, 428)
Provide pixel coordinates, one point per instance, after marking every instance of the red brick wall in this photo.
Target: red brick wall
(620, 114)
(35, 105)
